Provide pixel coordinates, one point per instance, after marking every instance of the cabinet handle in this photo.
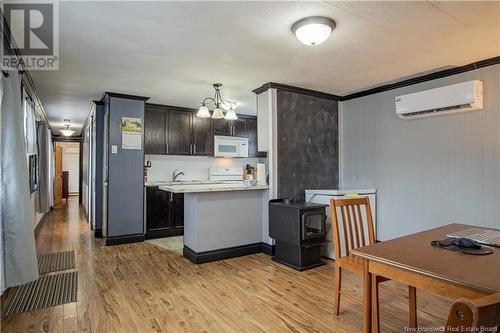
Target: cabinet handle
(194, 149)
(171, 197)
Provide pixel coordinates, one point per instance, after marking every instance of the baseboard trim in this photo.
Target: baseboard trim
(42, 221)
(151, 234)
(221, 254)
(268, 249)
(98, 233)
(226, 253)
(117, 240)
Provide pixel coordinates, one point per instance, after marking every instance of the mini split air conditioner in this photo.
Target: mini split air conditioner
(460, 97)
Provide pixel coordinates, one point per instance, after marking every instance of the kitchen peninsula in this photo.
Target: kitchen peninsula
(222, 220)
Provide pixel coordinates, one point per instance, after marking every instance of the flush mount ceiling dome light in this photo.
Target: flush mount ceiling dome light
(313, 30)
(67, 131)
(219, 104)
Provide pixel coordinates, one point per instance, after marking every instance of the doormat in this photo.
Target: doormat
(58, 261)
(48, 290)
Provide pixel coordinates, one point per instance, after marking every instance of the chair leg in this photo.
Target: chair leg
(336, 295)
(412, 297)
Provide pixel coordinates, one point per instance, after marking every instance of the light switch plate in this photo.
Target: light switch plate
(114, 149)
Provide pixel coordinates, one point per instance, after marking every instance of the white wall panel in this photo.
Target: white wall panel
(427, 172)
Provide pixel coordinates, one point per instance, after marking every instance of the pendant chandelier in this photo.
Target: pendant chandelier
(219, 104)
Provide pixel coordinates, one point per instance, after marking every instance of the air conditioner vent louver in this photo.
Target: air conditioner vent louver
(456, 98)
(439, 110)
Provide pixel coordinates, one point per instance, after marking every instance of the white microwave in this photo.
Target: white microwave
(230, 146)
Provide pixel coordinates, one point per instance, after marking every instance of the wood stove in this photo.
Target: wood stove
(299, 231)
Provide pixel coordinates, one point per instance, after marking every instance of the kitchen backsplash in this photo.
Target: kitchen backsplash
(194, 167)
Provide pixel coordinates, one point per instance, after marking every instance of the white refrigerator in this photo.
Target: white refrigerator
(324, 196)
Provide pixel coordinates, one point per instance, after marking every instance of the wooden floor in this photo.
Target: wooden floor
(143, 288)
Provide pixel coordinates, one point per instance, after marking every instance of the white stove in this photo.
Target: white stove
(226, 175)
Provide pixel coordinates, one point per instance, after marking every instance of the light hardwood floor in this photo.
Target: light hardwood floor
(143, 288)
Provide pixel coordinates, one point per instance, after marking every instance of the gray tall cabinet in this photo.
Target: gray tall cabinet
(123, 172)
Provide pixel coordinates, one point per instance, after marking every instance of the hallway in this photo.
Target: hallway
(143, 288)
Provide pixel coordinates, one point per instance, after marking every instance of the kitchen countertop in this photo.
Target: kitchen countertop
(157, 183)
(199, 188)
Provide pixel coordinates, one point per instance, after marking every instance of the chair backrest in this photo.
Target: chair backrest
(349, 229)
(470, 315)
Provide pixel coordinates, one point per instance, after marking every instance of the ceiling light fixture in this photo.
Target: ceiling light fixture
(313, 30)
(219, 104)
(67, 131)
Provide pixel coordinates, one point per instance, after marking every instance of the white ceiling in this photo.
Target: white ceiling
(174, 51)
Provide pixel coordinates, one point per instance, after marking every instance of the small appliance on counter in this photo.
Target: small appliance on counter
(299, 230)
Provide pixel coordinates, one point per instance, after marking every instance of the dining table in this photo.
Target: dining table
(413, 261)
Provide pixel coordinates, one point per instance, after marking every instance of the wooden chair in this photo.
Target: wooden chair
(357, 233)
(470, 315)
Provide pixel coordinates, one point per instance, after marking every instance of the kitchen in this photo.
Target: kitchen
(206, 165)
(206, 175)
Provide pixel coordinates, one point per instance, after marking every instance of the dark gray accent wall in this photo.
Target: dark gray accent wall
(308, 144)
(125, 173)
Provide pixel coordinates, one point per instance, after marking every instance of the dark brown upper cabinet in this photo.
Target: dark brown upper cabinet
(155, 133)
(239, 127)
(171, 130)
(221, 127)
(203, 139)
(230, 127)
(251, 126)
(180, 124)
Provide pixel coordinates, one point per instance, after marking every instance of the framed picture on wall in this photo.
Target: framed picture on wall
(33, 174)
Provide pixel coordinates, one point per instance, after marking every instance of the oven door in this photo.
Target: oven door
(313, 225)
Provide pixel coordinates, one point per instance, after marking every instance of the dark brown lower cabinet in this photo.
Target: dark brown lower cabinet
(164, 213)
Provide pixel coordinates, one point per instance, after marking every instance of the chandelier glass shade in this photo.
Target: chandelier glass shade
(217, 114)
(231, 115)
(203, 112)
(219, 103)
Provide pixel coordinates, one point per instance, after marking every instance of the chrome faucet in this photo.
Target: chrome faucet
(176, 174)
